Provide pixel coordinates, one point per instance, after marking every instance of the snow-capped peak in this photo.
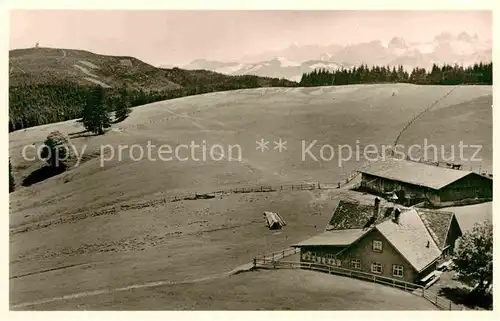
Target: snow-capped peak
(325, 56)
(286, 63)
(443, 37)
(464, 36)
(397, 43)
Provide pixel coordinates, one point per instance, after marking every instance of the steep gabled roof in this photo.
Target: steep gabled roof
(353, 215)
(412, 239)
(415, 173)
(419, 236)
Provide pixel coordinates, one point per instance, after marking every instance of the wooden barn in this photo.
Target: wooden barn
(414, 182)
(401, 243)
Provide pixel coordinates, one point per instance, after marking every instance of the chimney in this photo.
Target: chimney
(428, 244)
(397, 213)
(376, 207)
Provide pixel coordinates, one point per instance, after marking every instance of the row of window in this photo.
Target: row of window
(376, 267)
(321, 258)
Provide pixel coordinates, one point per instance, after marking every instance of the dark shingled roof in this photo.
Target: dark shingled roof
(437, 223)
(351, 215)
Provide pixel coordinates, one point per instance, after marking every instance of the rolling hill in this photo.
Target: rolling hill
(46, 65)
(49, 84)
(61, 243)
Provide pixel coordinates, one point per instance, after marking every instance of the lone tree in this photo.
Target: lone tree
(95, 113)
(56, 149)
(473, 256)
(11, 179)
(122, 107)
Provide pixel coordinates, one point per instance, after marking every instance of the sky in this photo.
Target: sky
(178, 37)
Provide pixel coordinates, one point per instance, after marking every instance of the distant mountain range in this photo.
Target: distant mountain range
(278, 67)
(292, 62)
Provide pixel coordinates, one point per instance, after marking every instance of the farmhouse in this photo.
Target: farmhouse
(415, 182)
(400, 243)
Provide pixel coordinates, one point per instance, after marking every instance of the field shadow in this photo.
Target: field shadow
(466, 297)
(42, 174)
(83, 133)
(119, 120)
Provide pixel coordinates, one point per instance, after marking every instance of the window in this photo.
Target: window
(376, 267)
(356, 264)
(377, 246)
(397, 270)
(308, 256)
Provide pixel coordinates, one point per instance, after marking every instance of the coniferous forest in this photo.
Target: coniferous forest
(478, 74)
(34, 104)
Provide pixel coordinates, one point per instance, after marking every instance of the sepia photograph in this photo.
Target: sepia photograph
(173, 160)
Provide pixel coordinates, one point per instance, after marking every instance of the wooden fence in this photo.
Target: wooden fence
(274, 261)
(162, 200)
(251, 189)
(278, 255)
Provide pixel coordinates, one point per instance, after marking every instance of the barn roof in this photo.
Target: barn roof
(415, 173)
(333, 238)
(412, 239)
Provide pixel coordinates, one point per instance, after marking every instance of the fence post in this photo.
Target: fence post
(405, 287)
(450, 305)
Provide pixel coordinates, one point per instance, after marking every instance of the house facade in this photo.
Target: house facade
(374, 254)
(468, 187)
(407, 244)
